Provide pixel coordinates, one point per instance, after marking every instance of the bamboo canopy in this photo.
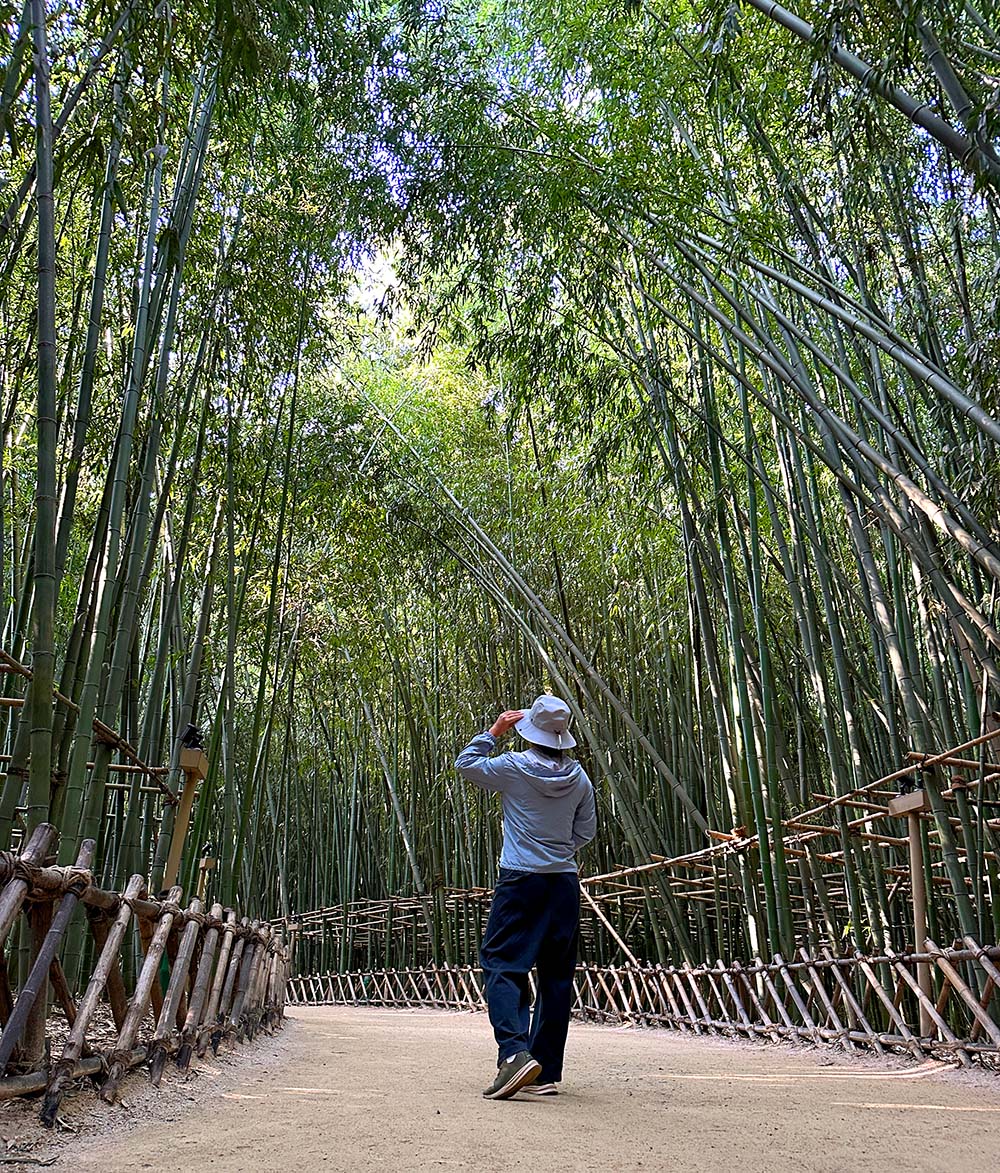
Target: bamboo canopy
(366, 371)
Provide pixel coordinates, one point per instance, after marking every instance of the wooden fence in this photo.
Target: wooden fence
(877, 1003)
(199, 977)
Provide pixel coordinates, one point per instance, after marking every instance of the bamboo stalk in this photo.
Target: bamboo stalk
(200, 992)
(34, 851)
(44, 956)
(63, 1071)
(213, 1010)
(180, 969)
(117, 1060)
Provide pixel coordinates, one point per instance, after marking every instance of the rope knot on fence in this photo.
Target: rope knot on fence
(130, 902)
(245, 985)
(76, 881)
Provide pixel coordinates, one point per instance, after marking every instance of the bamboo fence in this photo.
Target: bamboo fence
(203, 977)
(911, 995)
(855, 849)
(873, 1003)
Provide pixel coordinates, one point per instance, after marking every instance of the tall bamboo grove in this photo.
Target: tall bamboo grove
(368, 370)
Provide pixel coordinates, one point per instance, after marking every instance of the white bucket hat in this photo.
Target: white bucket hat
(547, 723)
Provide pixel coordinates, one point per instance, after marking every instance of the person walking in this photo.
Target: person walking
(548, 814)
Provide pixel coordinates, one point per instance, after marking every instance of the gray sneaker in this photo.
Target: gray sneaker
(512, 1075)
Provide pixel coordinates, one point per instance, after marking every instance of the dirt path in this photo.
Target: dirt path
(357, 1089)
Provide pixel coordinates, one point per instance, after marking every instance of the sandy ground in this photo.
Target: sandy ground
(363, 1089)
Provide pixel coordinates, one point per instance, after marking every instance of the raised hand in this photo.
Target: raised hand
(505, 722)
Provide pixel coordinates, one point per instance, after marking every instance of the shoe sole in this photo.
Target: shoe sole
(527, 1074)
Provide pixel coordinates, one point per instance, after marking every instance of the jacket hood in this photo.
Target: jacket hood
(547, 776)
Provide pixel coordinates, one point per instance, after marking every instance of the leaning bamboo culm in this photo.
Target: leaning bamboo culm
(229, 938)
(16, 888)
(35, 985)
(252, 958)
(166, 1025)
(119, 1059)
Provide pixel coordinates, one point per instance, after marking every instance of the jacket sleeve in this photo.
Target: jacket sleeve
(585, 820)
(476, 766)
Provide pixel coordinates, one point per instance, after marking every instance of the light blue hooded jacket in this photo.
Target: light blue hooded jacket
(548, 806)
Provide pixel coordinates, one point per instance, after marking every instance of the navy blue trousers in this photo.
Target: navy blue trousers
(534, 921)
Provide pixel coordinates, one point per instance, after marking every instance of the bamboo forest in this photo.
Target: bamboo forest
(370, 368)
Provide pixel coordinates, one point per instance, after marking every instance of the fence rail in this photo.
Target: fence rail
(877, 1003)
(200, 976)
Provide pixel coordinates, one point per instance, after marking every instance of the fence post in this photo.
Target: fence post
(912, 805)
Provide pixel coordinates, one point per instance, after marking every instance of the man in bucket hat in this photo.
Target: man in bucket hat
(548, 813)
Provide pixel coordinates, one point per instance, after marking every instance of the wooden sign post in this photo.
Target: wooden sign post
(912, 806)
(194, 763)
(206, 865)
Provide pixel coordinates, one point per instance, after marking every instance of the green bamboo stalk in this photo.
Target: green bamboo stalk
(44, 584)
